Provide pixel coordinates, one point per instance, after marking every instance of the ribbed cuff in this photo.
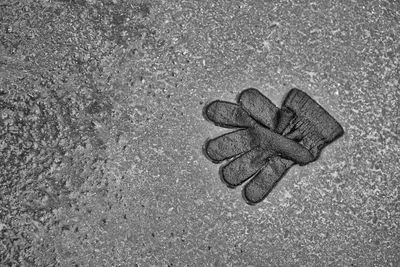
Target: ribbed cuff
(304, 106)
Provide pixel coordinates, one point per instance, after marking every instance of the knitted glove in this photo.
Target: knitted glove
(258, 150)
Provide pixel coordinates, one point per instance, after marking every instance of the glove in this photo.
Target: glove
(301, 119)
(257, 140)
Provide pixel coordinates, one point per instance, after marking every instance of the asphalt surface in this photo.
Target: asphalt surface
(101, 132)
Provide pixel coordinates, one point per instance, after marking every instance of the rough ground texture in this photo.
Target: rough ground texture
(101, 132)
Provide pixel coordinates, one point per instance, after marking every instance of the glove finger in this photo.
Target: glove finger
(295, 136)
(229, 145)
(283, 146)
(242, 168)
(258, 106)
(263, 182)
(227, 114)
(310, 140)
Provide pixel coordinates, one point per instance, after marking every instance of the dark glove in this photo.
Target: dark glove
(258, 150)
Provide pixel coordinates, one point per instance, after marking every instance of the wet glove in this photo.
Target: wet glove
(270, 140)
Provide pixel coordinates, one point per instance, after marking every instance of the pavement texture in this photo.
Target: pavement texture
(101, 132)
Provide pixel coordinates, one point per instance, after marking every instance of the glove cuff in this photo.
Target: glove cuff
(305, 107)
